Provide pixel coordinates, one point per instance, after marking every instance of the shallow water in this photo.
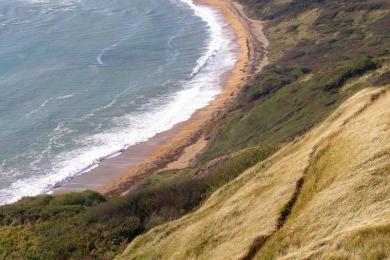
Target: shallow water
(82, 79)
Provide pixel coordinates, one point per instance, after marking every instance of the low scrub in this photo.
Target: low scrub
(347, 70)
(78, 225)
(316, 47)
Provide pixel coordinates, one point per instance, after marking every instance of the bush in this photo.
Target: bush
(85, 198)
(78, 225)
(383, 79)
(345, 71)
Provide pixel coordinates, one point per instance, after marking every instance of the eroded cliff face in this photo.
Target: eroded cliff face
(313, 198)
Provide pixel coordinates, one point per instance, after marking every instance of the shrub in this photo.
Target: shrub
(85, 198)
(345, 71)
(78, 225)
(383, 79)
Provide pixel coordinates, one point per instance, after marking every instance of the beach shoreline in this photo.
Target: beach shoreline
(176, 147)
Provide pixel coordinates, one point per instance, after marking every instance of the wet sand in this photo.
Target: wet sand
(177, 147)
(112, 168)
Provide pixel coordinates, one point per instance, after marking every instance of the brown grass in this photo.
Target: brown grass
(344, 165)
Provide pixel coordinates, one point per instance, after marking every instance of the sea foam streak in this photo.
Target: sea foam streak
(210, 17)
(199, 90)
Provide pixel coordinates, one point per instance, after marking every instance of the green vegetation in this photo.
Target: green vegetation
(310, 200)
(84, 224)
(321, 53)
(316, 48)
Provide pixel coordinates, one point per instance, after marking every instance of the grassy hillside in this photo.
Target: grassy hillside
(78, 225)
(316, 47)
(325, 195)
(345, 191)
(331, 182)
(298, 167)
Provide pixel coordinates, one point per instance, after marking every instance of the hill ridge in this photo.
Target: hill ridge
(159, 242)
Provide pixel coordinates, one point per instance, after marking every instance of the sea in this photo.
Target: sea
(81, 80)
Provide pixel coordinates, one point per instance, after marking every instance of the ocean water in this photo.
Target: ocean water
(80, 80)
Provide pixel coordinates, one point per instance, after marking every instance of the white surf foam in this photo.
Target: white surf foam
(211, 17)
(44, 103)
(104, 50)
(134, 128)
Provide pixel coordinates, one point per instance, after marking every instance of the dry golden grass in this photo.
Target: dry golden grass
(345, 190)
(366, 79)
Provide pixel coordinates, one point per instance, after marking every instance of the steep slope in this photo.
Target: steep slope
(306, 200)
(345, 191)
(315, 48)
(321, 103)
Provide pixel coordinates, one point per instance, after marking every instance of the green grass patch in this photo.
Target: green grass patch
(333, 41)
(316, 48)
(371, 243)
(79, 225)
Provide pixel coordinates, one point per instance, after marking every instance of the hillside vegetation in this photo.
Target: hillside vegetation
(318, 50)
(325, 194)
(316, 197)
(298, 167)
(77, 225)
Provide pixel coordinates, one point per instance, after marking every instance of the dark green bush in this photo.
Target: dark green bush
(336, 47)
(271, 80)
(345, 71)
(233, 166)
(78, 225)
(86, 198)
(282, 103)
(45, 207)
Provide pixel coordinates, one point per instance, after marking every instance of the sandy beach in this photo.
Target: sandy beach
(177, 147)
